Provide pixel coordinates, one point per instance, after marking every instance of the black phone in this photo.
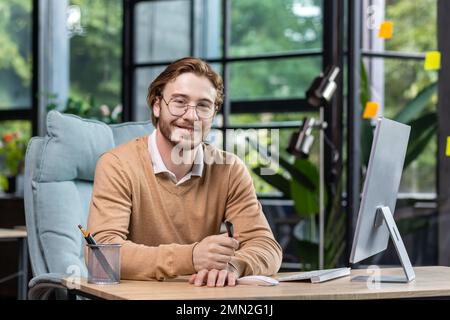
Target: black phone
(230, 229)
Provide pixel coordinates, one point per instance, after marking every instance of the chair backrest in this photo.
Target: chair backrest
(59, 173)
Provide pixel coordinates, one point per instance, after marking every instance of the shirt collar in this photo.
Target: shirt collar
(159, 166)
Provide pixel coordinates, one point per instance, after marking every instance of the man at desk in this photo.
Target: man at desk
(165, 196)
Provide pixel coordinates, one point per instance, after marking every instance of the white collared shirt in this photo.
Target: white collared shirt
(160, 167)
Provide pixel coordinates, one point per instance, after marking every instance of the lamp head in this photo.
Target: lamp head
(302, 141)
(323, 87)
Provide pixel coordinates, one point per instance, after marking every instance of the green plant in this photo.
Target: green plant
(423, 128)
(12, 150)
(300, 182)
(423, 124)
(12, 153)
(87, 108)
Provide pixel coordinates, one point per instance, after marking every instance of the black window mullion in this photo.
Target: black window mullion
(226, 24)
(296, 54)
(18, 114)
(443, 114)
(271, 125)
(273, 105)
(128, 72)
(353, 118)
(35, 69)
(192, 27)
(29, 113)
(393, 55)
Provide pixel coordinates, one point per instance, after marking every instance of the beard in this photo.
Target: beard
(181, 134)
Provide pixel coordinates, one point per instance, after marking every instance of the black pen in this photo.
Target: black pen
(89, 238)
(230, 228)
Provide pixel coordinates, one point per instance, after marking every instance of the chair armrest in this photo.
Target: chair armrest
(41, 286)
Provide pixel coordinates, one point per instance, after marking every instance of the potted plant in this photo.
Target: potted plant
(12, 153)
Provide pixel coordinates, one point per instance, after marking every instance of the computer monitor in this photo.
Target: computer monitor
(375, 219)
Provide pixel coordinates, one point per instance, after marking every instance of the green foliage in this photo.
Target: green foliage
(272, 26)
(14, 136)
(95, 56)
(306, 201)
(15, 50)
(404, 79)
(87, 108)
(417, 105)
(4, 184)
(423, 129)
(334, 237)
(277, 180)
(302, 186)
(261, 27)
(423, 125)
(12, 152)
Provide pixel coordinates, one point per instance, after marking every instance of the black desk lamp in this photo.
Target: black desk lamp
(318, 95)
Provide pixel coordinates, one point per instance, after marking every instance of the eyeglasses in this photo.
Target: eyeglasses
(178, 106)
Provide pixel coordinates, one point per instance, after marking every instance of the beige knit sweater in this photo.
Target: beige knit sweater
(159, 223)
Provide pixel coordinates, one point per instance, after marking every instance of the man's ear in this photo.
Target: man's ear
(156, 107)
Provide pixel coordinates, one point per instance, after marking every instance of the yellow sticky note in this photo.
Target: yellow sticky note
(447, 151)
(386, 30)
(370, 110)
(432, 60)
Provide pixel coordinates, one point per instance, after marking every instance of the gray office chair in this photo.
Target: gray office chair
(59, 172)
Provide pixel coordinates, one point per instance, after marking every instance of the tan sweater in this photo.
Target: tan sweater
(159, 223)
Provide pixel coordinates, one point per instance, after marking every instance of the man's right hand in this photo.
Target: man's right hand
(214, 252)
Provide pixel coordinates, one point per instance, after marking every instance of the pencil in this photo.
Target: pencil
(89, 238)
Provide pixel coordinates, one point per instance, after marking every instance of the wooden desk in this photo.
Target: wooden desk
(19, 235)
(429, 282)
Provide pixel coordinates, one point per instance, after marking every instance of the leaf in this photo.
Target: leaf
(3, 182)
(306, 202)
(418, 125)
(295, 174)
(364, 95)
(276, 180)
(366, 124)
(419, 145)
(298, 175)
(417, 105)
(423, 130)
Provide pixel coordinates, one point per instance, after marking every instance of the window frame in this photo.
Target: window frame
(29, 113)
(330, 53)
(398, 56)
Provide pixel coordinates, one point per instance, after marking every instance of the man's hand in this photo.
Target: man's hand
(214, 252)
(214, 278)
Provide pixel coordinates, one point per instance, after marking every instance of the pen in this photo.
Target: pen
(230, 228)
(101, 258)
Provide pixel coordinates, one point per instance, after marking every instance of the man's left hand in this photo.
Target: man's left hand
(214, 278)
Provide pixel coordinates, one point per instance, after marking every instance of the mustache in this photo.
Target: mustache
(195, 125)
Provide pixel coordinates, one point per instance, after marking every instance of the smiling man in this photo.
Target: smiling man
(165, 196)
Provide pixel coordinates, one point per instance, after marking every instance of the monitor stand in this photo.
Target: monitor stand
(384, 214)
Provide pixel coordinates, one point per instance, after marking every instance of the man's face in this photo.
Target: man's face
(188, 130)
